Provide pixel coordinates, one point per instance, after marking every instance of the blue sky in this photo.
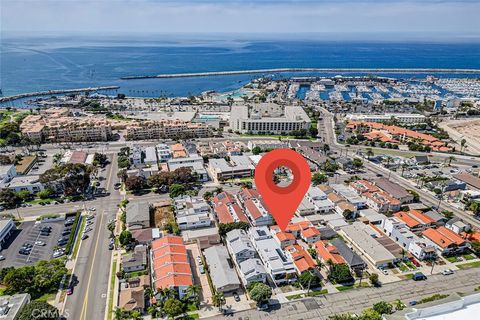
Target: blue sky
(439, 17)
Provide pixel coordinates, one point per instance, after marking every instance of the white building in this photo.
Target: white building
(21, 183)
(192, 213)
(194, 161)
(6, 229)
(402, 118)
(239, 245)
(268, 118)
(7, 172)
(277, 264)
(319, 199)
(252, 270)
(136, 155)
(224, 277)
(150, 156)
(163, 152)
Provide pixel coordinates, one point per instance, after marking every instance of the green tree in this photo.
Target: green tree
(256, 150)
(260, 292)
(135, 183)
(383, 307)
(218, 299)
(370, 153)
(125, 237)
(45, 194)
(370, 314)
(176, 190)
(9, 198)
(134, 314)
(224, 228)
(373, 279)
(38, 310)
(173, 307)
(357, 163)
(340, 273)
(100, 159)
(23, 194)
(475, 246)
(319, 178)
(308, 280)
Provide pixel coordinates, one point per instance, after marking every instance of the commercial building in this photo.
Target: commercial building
(237, 167)
(24, 183)
(220, 267)
(267, 144)
(193, 161)
(204, 237)
(394, 190)
(363, 239)
(6, 229)
(268, 118)
(170, 265)
(7, 172)
(279, 267)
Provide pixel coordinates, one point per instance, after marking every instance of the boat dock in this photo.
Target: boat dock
(320, 70)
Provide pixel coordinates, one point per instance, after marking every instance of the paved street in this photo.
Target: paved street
(356, 300)
(93, 263)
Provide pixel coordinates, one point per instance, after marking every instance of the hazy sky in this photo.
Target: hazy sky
(233, 16)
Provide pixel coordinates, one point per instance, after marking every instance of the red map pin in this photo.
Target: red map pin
(282, 202)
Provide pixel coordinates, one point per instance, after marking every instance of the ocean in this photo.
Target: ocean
(49, 63)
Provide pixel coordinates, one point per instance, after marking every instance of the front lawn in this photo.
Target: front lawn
(469, 265)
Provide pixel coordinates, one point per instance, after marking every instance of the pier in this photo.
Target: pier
(52, 92)
(319, 70)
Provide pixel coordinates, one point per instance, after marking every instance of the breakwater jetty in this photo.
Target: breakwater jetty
(52, 92)
(319, 70)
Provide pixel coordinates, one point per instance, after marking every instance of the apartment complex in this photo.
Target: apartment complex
(170, 265)
(403, 118)
(59, 128)
(268, 118)
(165, 128)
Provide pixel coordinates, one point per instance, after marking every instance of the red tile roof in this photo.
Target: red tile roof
(170, 263)
(413, 218)
(310, 232)
(443, 237)
(301, 258)
(328, 251)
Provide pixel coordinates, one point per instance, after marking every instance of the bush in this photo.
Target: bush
(71, 238)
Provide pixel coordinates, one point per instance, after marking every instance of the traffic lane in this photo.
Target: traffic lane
(74, 302)
(97, 291)
(356, 300)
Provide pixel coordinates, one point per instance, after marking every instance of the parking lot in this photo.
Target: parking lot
(29, 232)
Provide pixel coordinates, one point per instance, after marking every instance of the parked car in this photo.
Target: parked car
(85, 236)
(419, 276)
(2, 258)
(66, 232)
(262, 307)
(69, 291)
(45, 233)
(199, 259)
(110, 246)
(27, 245)
(447, 272)
(413, 303)
(58, 254)
(40, 243)
(202, 269)
(236, 297)
(385, 272)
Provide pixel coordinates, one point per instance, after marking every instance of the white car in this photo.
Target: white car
(447, 272)
(385, 272)
(58, 254)
(2, 258)
(93, 209)
(40, 243)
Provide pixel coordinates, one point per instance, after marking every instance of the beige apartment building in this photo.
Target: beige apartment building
(165, 128)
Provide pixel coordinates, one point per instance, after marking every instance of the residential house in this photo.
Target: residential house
(204, 237)
(224, 277)
(328, 252)
(310, 235)
(132, 294)
(192, 213)
(135, 261)
(457, 225)
(353, 260)
(446, 241)
(415, 220)
(319, 199)
(239, 245)
(279, 267)
(227, 209)
(394, 190)
(285, 239)
(301, 259)
(252, 270)
(138, 215)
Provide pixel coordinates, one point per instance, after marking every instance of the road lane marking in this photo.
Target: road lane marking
(85, 301)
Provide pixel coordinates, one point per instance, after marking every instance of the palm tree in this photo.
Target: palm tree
(193, 291)
(462, 144)
(370, 153)
(218, 299)
(450, 159)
